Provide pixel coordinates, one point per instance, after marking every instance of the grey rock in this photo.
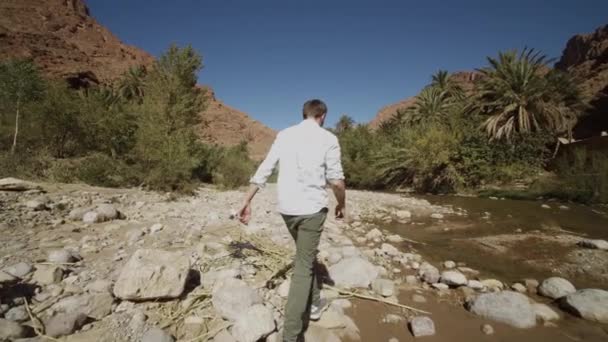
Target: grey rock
(95, 305)
(594, 244)
(283, 289)
(487, 329)
(6, 278)
(507, 307)
(99, 285)
(374, 234)
(449, 264)
(416, 298)
(475, 285)
(223, 336)
(19, 270)
(232, 297)
(590, 304)
(389, 250)
(545, 313)
(107, 212)
(17, 314)
(153, 274)
(37, 204)
(453, 278)
(47, 274)
(428, 273)
(14, 184)
(383, 287)
(353, 272)
(422, 326)
(253, 324)
(556, 287)
(60, 256)
(10, 330)
(210, 278)
(521, 288)
(157, 335)
(531, 285)
(64, 324)
(78, 213)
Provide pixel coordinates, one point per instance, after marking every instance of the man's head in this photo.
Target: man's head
(315, 109)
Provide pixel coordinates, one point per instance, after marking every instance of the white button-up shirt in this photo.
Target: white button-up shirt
(308, 156)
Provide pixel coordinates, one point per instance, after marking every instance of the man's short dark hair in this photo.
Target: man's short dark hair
(314, 109)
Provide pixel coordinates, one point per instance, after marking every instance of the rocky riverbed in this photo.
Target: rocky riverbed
(92, 264)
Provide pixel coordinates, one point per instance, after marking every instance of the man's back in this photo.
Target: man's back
(308, 156)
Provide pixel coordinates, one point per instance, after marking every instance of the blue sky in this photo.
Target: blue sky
(267, 57)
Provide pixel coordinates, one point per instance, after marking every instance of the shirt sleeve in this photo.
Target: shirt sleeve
(265, 169)
(333, 162)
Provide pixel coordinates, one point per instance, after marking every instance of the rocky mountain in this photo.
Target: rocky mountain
(586, 58)
(464, 78)
(65, 40)
(227, 126)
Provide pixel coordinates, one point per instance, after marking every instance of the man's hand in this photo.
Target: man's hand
(340, 212)
(245, 213)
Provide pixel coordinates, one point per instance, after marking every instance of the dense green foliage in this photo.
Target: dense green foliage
(501, 132)
(140, 131)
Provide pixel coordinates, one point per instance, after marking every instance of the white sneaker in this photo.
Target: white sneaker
(317, 311)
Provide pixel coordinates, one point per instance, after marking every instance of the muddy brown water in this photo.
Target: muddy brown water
(536, 239)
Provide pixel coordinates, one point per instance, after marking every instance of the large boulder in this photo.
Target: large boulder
(590, 304)
(19, 270)
(153, 274)
(94, 305)
(232, 297)
(507, 307)
(353, 272)
(594, 244)
(64, 324)
(422, 326)
(556, 287)
(253, 324)
(47, 274)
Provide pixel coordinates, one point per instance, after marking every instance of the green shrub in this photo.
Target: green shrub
(234, 168)
(96, 169)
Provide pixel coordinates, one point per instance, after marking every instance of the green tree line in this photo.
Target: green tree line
(503, 131)
(141, 130)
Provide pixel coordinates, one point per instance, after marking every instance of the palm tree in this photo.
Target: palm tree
(514, 94)
(432, 105)
(131, 85)
(444, 82)
(344, 124)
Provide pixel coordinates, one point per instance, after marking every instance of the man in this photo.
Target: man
(309, 158)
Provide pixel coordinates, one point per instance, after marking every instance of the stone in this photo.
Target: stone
(383, 287)
(437, 216)
(453, 278)
(253, 324)
(106, 212)
(334, 258)
(95, 305)
(545, 313)
(594, 244)
(428, 273)
(545, 206)
(224, 336)
(153, 274)
(78, 213)
(47, 274)
(493, 284)
(449, 264)
(210, 278)
(518, 287)
(14, 184)
(416, 298)
(475, 285)
(91, 217)
(331, 319)
(157, 227)
(353, 272)
(64, 324)
(590, 304)
(403, 214)
(389, 250)
(10, 330)
(393, 319)
(556, 287)
(411, 280)
(487, 329)
(283, 289)
(99, 285)
(60, 256)
(19, 270)
(422, 326)
(531, 285)
(319, 334)
(374, 234)
(134, 235)
(157, 335)
(394, 239)
(6, 278)
(440, 286)
(232, 296)
(37, 204)
(507, 307)
(17, 314)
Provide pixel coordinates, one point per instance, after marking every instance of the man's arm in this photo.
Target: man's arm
(259, 180)
(335, 177)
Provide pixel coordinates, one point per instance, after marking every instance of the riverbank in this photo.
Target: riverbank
(129, 265)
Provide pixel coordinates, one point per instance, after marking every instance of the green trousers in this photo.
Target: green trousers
(305, 289)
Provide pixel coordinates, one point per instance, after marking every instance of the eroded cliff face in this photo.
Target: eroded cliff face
(586, 58)
(65, 41)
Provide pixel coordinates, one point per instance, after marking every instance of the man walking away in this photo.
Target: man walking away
(309, 158)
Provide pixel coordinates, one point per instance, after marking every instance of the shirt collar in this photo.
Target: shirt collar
(309, 122)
